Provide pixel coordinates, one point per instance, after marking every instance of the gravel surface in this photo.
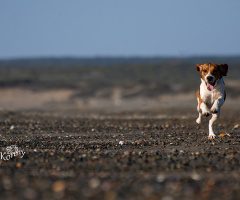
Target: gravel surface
(116, 156)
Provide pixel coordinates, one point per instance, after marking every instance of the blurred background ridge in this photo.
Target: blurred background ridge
(110, 84)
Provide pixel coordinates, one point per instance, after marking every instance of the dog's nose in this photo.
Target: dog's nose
(210, 78)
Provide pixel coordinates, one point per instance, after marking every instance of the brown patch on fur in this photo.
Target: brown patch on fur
(216, 70)
(199, 98)
(223, 69)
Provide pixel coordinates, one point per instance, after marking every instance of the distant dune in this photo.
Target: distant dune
(107, 83)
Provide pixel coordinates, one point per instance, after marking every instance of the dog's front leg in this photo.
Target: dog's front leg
(204, 109)
(217, 105)
(211, 121)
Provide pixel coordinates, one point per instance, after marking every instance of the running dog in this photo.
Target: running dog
(211, 94)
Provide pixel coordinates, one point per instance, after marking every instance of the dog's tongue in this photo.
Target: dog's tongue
(209, 86)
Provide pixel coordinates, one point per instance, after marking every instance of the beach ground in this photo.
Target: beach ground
(97, 154)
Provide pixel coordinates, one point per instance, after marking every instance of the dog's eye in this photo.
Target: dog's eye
(205, 70)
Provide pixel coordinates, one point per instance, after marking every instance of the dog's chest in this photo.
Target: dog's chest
(210, 96)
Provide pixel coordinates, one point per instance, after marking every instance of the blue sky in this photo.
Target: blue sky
(55, 28)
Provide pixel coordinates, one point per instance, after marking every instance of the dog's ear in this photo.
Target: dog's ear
(198, 67)
(223, 69)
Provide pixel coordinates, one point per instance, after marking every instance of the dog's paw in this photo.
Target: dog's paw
(206, 114)
(198, 120)
(214, 110)
(211, 136)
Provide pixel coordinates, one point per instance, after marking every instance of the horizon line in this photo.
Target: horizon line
(121, 57)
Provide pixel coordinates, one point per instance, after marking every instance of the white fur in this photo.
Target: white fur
(212, 102)
(199, 119)
(209, 74)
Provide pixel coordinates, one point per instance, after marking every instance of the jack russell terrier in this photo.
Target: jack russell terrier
(211, 94)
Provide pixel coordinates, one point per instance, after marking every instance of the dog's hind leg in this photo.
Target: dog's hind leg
(199, 119)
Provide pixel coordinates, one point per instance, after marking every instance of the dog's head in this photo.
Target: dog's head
(211, 73)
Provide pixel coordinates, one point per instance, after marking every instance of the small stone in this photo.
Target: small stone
(19, 165)
(236, 126)
(59, 186)
(196, 177)
(223, 135)
(160, 178)
(121, 142)
(94, 183)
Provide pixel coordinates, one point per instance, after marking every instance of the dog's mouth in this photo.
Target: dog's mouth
(210, 85)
